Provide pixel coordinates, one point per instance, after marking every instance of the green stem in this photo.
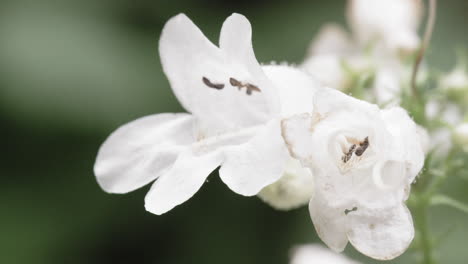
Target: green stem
(421, 221)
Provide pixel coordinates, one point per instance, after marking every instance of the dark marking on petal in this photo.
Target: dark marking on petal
(235, 83)
(217, 86)
(362, 147)
(347, 156)
(249, 88)
(347, 211)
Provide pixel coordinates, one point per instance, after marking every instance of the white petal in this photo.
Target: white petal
(387, 86)
(393, 21)
(296, 88)
(296, 132)
(259, 162)
(328, 69)
(182, 181)
(390, 174)
(329, 100)
(331, 39)
(440, 141)
(138, 152)
(315, 254)
(381, 233)
(407, 144)
(236, 41)
(200, 75)
(329, 222)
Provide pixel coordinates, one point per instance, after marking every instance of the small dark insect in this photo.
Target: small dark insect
(217, 86)
(248, 86)
(362, 147)
(346, 157)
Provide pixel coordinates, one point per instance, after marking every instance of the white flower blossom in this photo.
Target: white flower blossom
(381, 30)
(316, 254)
(233, 120)
(456, 80)
(455, 84)
(460, 136)
(391, 23)
(328, 51)
(449, 113)
(363, 160)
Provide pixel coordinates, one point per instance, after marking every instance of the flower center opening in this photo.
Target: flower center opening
(352, 147)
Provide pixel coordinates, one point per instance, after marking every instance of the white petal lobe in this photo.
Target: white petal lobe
(295, 88)
(224, 88)
(381, 233)
(251, 166)
(138, 152)
(330, 223)
(182, 181)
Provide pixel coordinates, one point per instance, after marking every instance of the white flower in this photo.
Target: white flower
(315, 254)
(387, 86)
(233, 120)
(441, 138)
(448, 112)
(460, 136)
(381, 31)
(391, 23)
(455, 84)
(457, 79)
(330, 49)
(334, 60)
(331, 39)
(363, 160)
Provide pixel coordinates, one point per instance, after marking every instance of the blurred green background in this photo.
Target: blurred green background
(72, 71)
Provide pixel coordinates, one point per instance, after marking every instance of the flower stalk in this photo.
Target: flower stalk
(422, 226)
(425, 44)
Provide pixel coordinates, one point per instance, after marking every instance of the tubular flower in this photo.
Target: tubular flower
(363, 160)
(233, 107)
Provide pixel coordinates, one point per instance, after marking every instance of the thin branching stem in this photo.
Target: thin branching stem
(425, 44)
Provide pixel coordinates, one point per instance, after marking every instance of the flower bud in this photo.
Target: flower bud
(294, 189)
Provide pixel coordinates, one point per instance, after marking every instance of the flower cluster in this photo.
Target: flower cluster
(290, 134)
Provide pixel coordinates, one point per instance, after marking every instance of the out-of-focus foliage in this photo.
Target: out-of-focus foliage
(72, 71)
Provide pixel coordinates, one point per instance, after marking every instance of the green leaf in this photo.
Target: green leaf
(441, 199)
